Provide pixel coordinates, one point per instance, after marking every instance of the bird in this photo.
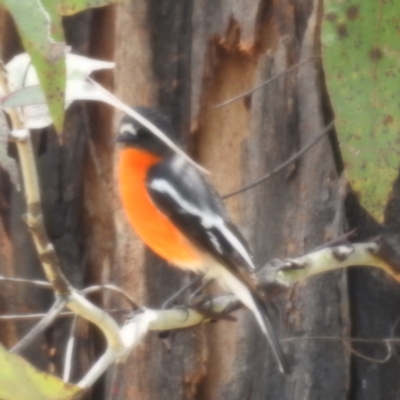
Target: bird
(179, 215)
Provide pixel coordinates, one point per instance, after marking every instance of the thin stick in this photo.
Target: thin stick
(347, 340)
(343, 339)
(43, 284)
(30, 316)
(244, 94)
(69, 351)
(371, 359)
(183, 289)
(34, 216)
(201, 287)
(344, 238)
(41, 326)
(112, 288)
(289, 161)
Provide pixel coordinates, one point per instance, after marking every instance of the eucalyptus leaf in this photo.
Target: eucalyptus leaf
(69, 7)
(40, 28)
(361, 57)
(21, 381)
(35, 24)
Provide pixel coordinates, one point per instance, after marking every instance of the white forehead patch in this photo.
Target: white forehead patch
(128, 128)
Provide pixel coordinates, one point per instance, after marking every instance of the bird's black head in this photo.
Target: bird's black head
(133, 134)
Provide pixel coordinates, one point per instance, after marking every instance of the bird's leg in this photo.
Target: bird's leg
(178, 293)
(200, 288)
(199, 304)
(164, 335)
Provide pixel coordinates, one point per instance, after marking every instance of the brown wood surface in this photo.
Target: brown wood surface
(228, 48)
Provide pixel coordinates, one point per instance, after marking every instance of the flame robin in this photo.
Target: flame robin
(179, 215)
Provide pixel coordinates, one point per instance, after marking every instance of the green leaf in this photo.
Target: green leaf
(52, 80)
(69, 7)
(41, 31)
(361, 56)
(21, 381)
(35, 23)
(57, 30)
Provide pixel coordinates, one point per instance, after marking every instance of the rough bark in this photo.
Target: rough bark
(230, 47)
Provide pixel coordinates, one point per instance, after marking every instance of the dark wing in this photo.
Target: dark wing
(186, 198)
(191, 203)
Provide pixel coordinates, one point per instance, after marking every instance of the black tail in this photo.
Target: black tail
(271, 336)
(247, 294)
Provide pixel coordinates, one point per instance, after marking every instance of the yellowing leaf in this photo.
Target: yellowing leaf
(21, 381)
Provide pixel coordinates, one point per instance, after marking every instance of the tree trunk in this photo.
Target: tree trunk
(185, 57)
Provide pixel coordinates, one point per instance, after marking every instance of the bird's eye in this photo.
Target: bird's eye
(128, 128)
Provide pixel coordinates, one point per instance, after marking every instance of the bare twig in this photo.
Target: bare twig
(34, 215)
(112, 288)
(347, 341)
(27, 317)
(110, 329)
(371, 359)
(67, 314)
(343, 339)
(287, 71)
(34, 282)
(48, 256)
(328, 259)
(289, 272)
(69, 351)
(338, 240)
(204, 285)
(122, 341)
(41, 326)
(108, 358)
(167, 303)
(281, 167)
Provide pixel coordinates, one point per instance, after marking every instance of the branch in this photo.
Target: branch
(374, 254)
(34, 215)
(69, 351)
(347, 341)
(370, 254)
(111, 288)
(64, 314)
(34, 282)
(272, 280)
(277, 274)
(45, 249)
(251, 91)
(41, 326)
(285, 164)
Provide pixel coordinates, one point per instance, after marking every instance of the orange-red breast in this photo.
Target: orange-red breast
(178, 214)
